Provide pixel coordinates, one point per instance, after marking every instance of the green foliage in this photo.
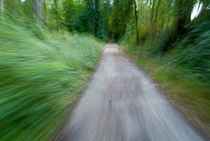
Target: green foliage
(196, 53)
(42, 67)
(175, 50)
(174, 37)
(120, 17)
(40, 78)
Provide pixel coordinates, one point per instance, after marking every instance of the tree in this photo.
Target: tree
(120, 17)
(38, 4)
(97, 16)
(136, 21)
(183, 14)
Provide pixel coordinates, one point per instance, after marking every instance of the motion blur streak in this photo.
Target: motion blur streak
(122, 104)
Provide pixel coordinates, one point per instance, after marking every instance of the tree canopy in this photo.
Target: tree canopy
(112, 19)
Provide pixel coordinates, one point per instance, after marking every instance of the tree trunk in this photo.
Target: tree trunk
(97, 16)
(38, 10)
(56, 13)
(184, 9)
(136, 21)
(152, 21)
(157, 11)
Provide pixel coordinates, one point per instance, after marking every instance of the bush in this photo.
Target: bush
(40, 78)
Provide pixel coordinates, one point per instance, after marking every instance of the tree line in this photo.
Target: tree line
(103, 18)
(137, 20)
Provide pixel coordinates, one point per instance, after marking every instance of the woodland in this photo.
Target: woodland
(49, 48)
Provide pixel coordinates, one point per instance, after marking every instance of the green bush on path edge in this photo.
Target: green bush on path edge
(41, 76)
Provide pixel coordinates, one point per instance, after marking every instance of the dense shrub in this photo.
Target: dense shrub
(40, 78)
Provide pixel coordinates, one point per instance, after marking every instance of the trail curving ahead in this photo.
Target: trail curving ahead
(122, 104)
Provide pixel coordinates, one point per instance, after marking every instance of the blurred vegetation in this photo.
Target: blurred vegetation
(47, 53)
(42, 70)
(39, 79)
(174, 47)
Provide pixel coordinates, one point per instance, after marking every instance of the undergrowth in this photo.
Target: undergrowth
(41, 75)
(183, 71)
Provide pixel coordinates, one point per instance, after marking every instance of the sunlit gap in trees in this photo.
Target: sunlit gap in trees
(196, 10)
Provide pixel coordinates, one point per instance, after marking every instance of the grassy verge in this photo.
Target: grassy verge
(188, 94)
(41, 75)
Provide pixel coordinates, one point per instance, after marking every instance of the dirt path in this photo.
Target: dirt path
(122, 104)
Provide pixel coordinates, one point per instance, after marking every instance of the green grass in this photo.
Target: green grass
(188, 93)
(41, 75)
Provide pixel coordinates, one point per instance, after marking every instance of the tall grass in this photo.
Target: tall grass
(40, 77)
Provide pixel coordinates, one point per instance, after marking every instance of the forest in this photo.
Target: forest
(49, 48)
